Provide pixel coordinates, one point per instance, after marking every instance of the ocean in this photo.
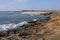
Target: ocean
(14, 19)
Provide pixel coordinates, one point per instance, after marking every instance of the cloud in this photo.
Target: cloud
(21, 1)
(14, 5)
(27, 4)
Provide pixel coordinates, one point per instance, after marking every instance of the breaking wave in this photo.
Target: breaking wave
(4, 27)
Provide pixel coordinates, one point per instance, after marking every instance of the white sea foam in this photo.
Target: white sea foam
(4, 27)
(28, 13)
(34, 19)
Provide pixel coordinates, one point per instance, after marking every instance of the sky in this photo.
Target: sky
(17, 5)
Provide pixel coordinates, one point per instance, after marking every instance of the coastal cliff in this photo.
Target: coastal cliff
(45, 29)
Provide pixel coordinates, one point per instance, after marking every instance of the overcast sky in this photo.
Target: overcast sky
(16, 5)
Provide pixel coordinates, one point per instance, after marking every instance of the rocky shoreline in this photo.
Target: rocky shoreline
(25, 33)
(35, 30)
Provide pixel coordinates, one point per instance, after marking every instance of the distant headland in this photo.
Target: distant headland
(38, 12)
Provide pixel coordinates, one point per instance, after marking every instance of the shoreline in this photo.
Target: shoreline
(24, 31)
(37, 13)
(35, 30)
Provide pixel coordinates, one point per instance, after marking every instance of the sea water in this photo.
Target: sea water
(14, 19)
